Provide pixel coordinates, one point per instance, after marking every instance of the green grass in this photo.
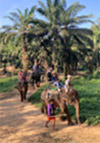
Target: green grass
(8, 83)
(89, 93)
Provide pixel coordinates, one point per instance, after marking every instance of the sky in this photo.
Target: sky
(7, 6)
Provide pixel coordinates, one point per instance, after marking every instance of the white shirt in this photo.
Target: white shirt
(67, 82)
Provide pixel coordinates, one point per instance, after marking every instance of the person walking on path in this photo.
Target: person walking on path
(51, 113)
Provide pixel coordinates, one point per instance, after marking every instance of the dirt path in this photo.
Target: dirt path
(23, 123)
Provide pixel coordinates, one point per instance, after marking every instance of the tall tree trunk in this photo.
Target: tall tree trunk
(90, 64)
(75, 66)
(45, 60)
(65, 65)
(24, 53)
(69, 69)
(65, 69)
(5, 67)
(54, 61)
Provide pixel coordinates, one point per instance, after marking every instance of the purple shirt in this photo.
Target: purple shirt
(51, 110)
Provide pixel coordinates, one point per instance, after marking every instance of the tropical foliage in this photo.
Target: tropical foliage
(55, 38)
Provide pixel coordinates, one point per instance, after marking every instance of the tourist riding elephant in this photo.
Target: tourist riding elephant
(35, 78)
(22, 88)
(61, 100)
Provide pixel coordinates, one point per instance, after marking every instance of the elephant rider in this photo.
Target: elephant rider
(22, 76)
(68, 84)
(56, 82)
(36, 68)
(19, 76)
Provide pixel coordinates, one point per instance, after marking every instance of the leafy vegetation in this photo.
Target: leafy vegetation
(8, 83)
(55, 40)
(89, 93)
(45, 40)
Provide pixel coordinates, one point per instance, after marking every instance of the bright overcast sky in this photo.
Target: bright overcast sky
(6, 6)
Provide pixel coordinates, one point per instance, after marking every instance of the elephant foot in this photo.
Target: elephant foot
(63, 118)
(70, 123)
(79, 124)
(42, 111)
(25, 101)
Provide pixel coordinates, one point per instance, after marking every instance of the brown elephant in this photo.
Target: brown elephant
(22, 88)
(62, 99)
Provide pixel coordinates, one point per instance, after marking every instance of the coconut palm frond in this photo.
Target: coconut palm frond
(32, 10)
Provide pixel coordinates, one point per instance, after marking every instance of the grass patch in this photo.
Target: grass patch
(89, 93)
(8, 83)
(35, 98)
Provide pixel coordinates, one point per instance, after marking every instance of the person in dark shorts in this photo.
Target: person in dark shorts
(51, 113)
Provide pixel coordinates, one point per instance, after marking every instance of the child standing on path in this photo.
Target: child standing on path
(51, 113)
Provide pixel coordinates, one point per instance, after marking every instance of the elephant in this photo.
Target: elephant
(22, 88)
(62, 100)
(35, 78)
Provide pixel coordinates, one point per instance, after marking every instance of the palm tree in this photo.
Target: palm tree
(62, 23)
(96, 39)
(51, 13)
(21, 28)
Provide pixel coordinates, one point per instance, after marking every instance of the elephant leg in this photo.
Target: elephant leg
(45, 109)
(25, 92)
(61, 112)
(37, 83)
(19, 86)
(24, 96)
(65, 110)
(61, 116)
(21, 94)
(77, 107)
(33, 85)
(68, 115)
(42, 109)
(39, 80)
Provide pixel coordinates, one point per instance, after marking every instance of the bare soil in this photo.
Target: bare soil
(24, 123)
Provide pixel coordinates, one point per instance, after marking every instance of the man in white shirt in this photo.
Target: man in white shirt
(68, 83)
